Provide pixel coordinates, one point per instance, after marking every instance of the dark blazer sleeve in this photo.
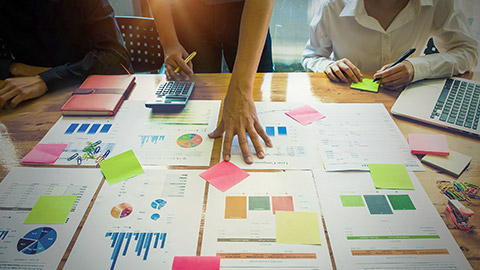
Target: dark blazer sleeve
(106, 50)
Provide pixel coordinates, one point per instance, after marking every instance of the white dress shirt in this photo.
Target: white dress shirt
(343, 29)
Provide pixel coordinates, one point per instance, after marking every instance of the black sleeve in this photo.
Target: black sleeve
(106, 49)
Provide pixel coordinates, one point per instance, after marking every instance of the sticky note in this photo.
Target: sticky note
(121, 167)
(51, 210)
(196, 263)
(305, 115)
(390, 176)
(352, 200)
(224, 175)
(366, 85)
(434, 144)
(297, 228)
(455, 163)
(44, 153)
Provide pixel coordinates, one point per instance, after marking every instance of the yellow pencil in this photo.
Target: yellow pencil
(190, 57)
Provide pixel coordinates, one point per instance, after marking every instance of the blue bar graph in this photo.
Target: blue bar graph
(282, 130)
(71, 128)
(105, 128)
(270, 131)
(3, 234)
(93, 129)
(83, 128)
(144, 242)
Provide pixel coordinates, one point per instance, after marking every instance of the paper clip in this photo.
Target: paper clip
(79, 161)
(72, 157)
(97, 149)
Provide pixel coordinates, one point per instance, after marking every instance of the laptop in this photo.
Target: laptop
(451, 103)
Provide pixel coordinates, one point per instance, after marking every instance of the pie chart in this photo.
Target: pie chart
(121, 210)
(189, 140)
(37, 240)
(158, 203)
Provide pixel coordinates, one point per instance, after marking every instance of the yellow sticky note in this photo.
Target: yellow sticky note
(121, 167)
(366, 85)
(297, 228)
(390, 176)
(51, 210)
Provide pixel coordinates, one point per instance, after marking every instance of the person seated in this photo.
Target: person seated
(51, 44)
(351, 37)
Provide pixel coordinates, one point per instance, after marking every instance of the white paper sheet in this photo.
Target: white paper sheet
(142, 223)
(406, 238)
(254, 235)
(293, 143)
(45, 243)
(353, 135)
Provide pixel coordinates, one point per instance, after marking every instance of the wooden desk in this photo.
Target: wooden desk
(25, 126)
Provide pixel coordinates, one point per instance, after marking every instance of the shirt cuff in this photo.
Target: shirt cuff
(421, 68)
(5, 68)
(53, 78)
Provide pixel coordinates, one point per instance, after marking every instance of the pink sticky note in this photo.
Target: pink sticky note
(434, 144)
(196, 263)
(224, 175)
(305, 115)
(44, 153)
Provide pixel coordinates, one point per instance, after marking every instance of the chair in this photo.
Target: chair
(141, 39)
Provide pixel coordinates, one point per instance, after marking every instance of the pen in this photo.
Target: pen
(190, 57)
(403, 57)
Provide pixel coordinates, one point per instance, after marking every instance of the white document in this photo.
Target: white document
(172, 138)
(353, 135)
(40, 246)
(384, 229)
(142, 223)
(240, 223)
(293, 144)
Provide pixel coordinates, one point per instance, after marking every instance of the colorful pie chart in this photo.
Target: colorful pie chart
(121, 210)
(189, 140)
(37, 240)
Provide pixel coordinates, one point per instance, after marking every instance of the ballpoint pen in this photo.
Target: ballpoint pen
(403, 57)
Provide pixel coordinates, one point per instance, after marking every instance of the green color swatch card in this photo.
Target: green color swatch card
(401, 202)
(121, 167)
(297, 228)
(366, 85)
(352, 200)
(258, 203)
(390, 176)
(51, 210)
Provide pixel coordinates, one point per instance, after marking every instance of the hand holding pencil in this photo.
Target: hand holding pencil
(177, 68)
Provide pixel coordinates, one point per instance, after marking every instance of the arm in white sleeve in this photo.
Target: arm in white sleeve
(316, 55)
(453, 38)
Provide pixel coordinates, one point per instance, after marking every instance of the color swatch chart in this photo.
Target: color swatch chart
(141, 241)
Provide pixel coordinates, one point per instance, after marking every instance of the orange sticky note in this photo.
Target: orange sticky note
(305, 115)
(224, 175)
(432, 144)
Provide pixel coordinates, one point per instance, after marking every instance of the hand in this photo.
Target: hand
(396, 77)
(18, 89)
(23, 70)
(343, 71)
(240, 117)
(174, 57)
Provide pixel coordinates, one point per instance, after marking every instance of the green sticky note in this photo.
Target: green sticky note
(352, 200)
(401, 202)
(366, 85)
(121, 167)
(51, 210)
(390, 176)
(297, 228)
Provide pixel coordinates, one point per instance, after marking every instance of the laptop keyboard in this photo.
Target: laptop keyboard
(458, 104)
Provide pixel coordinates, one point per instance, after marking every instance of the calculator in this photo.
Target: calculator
(171, 96)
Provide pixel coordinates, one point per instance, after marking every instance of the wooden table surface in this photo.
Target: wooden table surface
(23, 127)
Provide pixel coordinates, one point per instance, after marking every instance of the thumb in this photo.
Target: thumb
(218, 132)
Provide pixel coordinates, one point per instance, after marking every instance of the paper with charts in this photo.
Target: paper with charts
(293, 143)
(383, 229)
(240, 223)
(157, 139)
(40, 246)
(142, 223)
(353, 135)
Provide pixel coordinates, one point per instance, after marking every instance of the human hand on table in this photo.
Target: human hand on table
(24, 70)
(18, 89)
(174, 57)
(396, 77)
(343, 70)
(240, 117)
